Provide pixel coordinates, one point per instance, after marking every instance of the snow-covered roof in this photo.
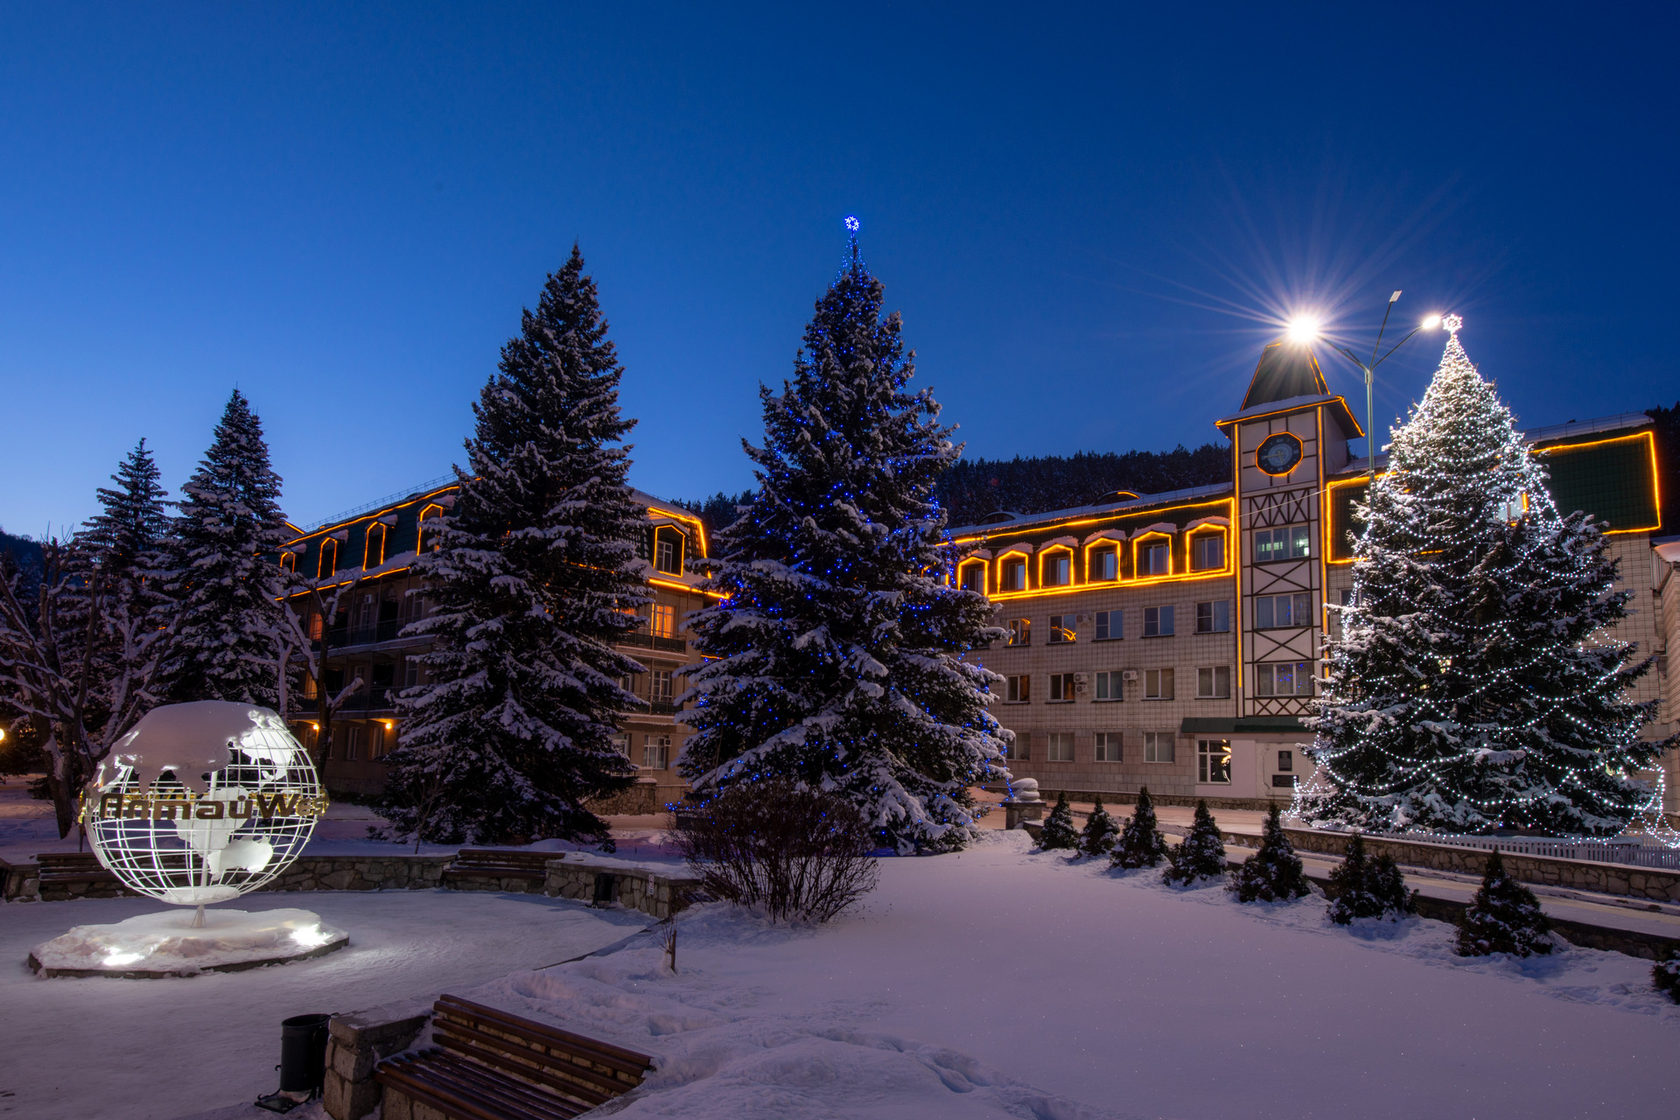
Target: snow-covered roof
(1137, 505)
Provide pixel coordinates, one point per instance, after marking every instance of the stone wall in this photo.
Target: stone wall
(361, 873)
(355, 1044)
(20, 881)
(638, 888)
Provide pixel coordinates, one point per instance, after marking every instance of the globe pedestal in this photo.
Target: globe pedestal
(154, 946)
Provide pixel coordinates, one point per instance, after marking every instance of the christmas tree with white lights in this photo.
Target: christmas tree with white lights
(836, 660)
(1475, 686)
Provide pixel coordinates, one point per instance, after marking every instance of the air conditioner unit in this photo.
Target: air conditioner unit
(1084, 618)
(1080, 680)
(1129, 675)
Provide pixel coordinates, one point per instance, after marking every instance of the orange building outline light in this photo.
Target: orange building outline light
(1103, 543)
(1049, 551)
(985, 572)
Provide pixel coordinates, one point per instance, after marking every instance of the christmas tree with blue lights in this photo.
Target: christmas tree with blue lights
(534, 579)
(836, 660)
(1476, 685)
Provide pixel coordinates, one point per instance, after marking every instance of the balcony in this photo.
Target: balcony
(641, 639)
(348, 637)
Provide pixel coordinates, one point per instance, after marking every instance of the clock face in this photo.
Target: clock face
(1279, 453)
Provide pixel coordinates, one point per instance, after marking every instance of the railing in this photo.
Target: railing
(645, 640)
(1627, 850)
(662, 708)
(345, 637)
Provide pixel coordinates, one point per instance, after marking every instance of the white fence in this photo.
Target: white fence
(1632, 851)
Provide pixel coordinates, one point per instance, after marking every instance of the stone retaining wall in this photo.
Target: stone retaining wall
(573, 876)
(355, 1044)
(20, 881)
(362, 873)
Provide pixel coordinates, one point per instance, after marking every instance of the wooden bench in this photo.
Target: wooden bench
(492, 1065)
(62, 872)
(498, 869)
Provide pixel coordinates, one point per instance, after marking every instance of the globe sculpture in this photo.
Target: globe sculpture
(202, 802)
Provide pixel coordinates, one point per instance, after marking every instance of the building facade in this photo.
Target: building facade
(1174, 640)
(363, 593)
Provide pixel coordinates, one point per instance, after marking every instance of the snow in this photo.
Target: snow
(168, 943)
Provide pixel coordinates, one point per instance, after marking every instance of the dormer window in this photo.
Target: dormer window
(375, 553)
(329, 558)
(1103, 564)
(1154, 558)
(1207, 552)
(1055, 569)
(972, 576)
(428, 538)
(668, 550)
(1013, 574)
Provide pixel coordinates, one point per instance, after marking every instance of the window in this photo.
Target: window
(1061, 746)
(1213, 617)
(316, 624)
(311, 690)
(621, 743)
(428, 539)
(1111, 685)
(353, 742)
(373, 553)
(1157, 684)
(1102, 564)
(1111, 626)
(288, 561)
(1213, 682)
(667, 551)
(664, 620)
(1286, 760)
(1061, 687)
(1288, 543)
(1207, 552)
(1017, 690)
(1283, 678)
(411, 672)
(1213, 761)
(1157, 746)
(1272, 611)
(1062, 628)
(1108, 746)
(376, 739)
(1055, 569)
(1022, 746)
(1020, 631)
(329, 558)
(659, 686)
(1014, 574)
(656, 752)
(1155, 559)
(1157, 622)
(973, 577)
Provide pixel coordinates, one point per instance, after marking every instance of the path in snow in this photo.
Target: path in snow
(140, 1049)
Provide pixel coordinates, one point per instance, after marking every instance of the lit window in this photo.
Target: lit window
(1157, 684)
(311, 690)
(1291, 542)
(1061, 687)
(1273, 611)
(1283, 678)
(1157, 622)
(1062, 628)
(1061, 746)
(1111, 626)
(1108, 746)
(1213, 617)
(1056, 569)
(1103, 564)
(1111, 685)
(1020, 631)
(1213, 761)
(1014, 574)
(656, 752)
(664, 620)
(1017, 690)
(1207, 552)
(1155, 559)
(1213, 682)
(1157, 746)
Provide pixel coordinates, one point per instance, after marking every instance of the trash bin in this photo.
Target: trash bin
(303, 1054)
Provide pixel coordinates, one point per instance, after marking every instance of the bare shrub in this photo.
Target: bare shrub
(784, 851)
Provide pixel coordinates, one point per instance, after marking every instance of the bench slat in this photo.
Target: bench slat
(630, 1060)
(444, 1086)
(553, 1070)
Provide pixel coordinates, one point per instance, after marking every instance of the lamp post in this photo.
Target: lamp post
(1306, 331)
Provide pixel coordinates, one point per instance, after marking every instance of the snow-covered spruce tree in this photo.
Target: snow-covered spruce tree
(1273, 873)
(1201, 855)
(1362, 887)
(1503, 917)
(1473, 687)
(1058, 831)
(1097, 839)
(1141, 843)
(836, 660)
(534, 579)
(223, 579)
(1665, 977)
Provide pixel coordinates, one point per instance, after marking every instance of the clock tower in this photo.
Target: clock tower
(1290, 434)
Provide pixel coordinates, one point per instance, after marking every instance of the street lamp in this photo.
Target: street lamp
(1304, 330)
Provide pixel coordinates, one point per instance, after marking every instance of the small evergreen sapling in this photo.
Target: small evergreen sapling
(1273, 873)
(1141, 843)
(1665, 974)
(1200, 856)
(1099, 834)
(1363, 887)
(1504, 917)
(1058, 829)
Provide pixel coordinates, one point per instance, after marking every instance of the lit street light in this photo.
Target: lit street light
(1304, 330)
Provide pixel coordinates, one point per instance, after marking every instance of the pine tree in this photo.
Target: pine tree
(1473, 687)
(1665, 977)
(1058, 831)
(1201, 855)
(1503, 917)
(836, 660)
(223, 577)
(1141, 843)
(534, 579)
(1273, 873)
(1100, 831)
(1362, 887)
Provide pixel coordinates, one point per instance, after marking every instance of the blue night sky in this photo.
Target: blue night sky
(1092, 220)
